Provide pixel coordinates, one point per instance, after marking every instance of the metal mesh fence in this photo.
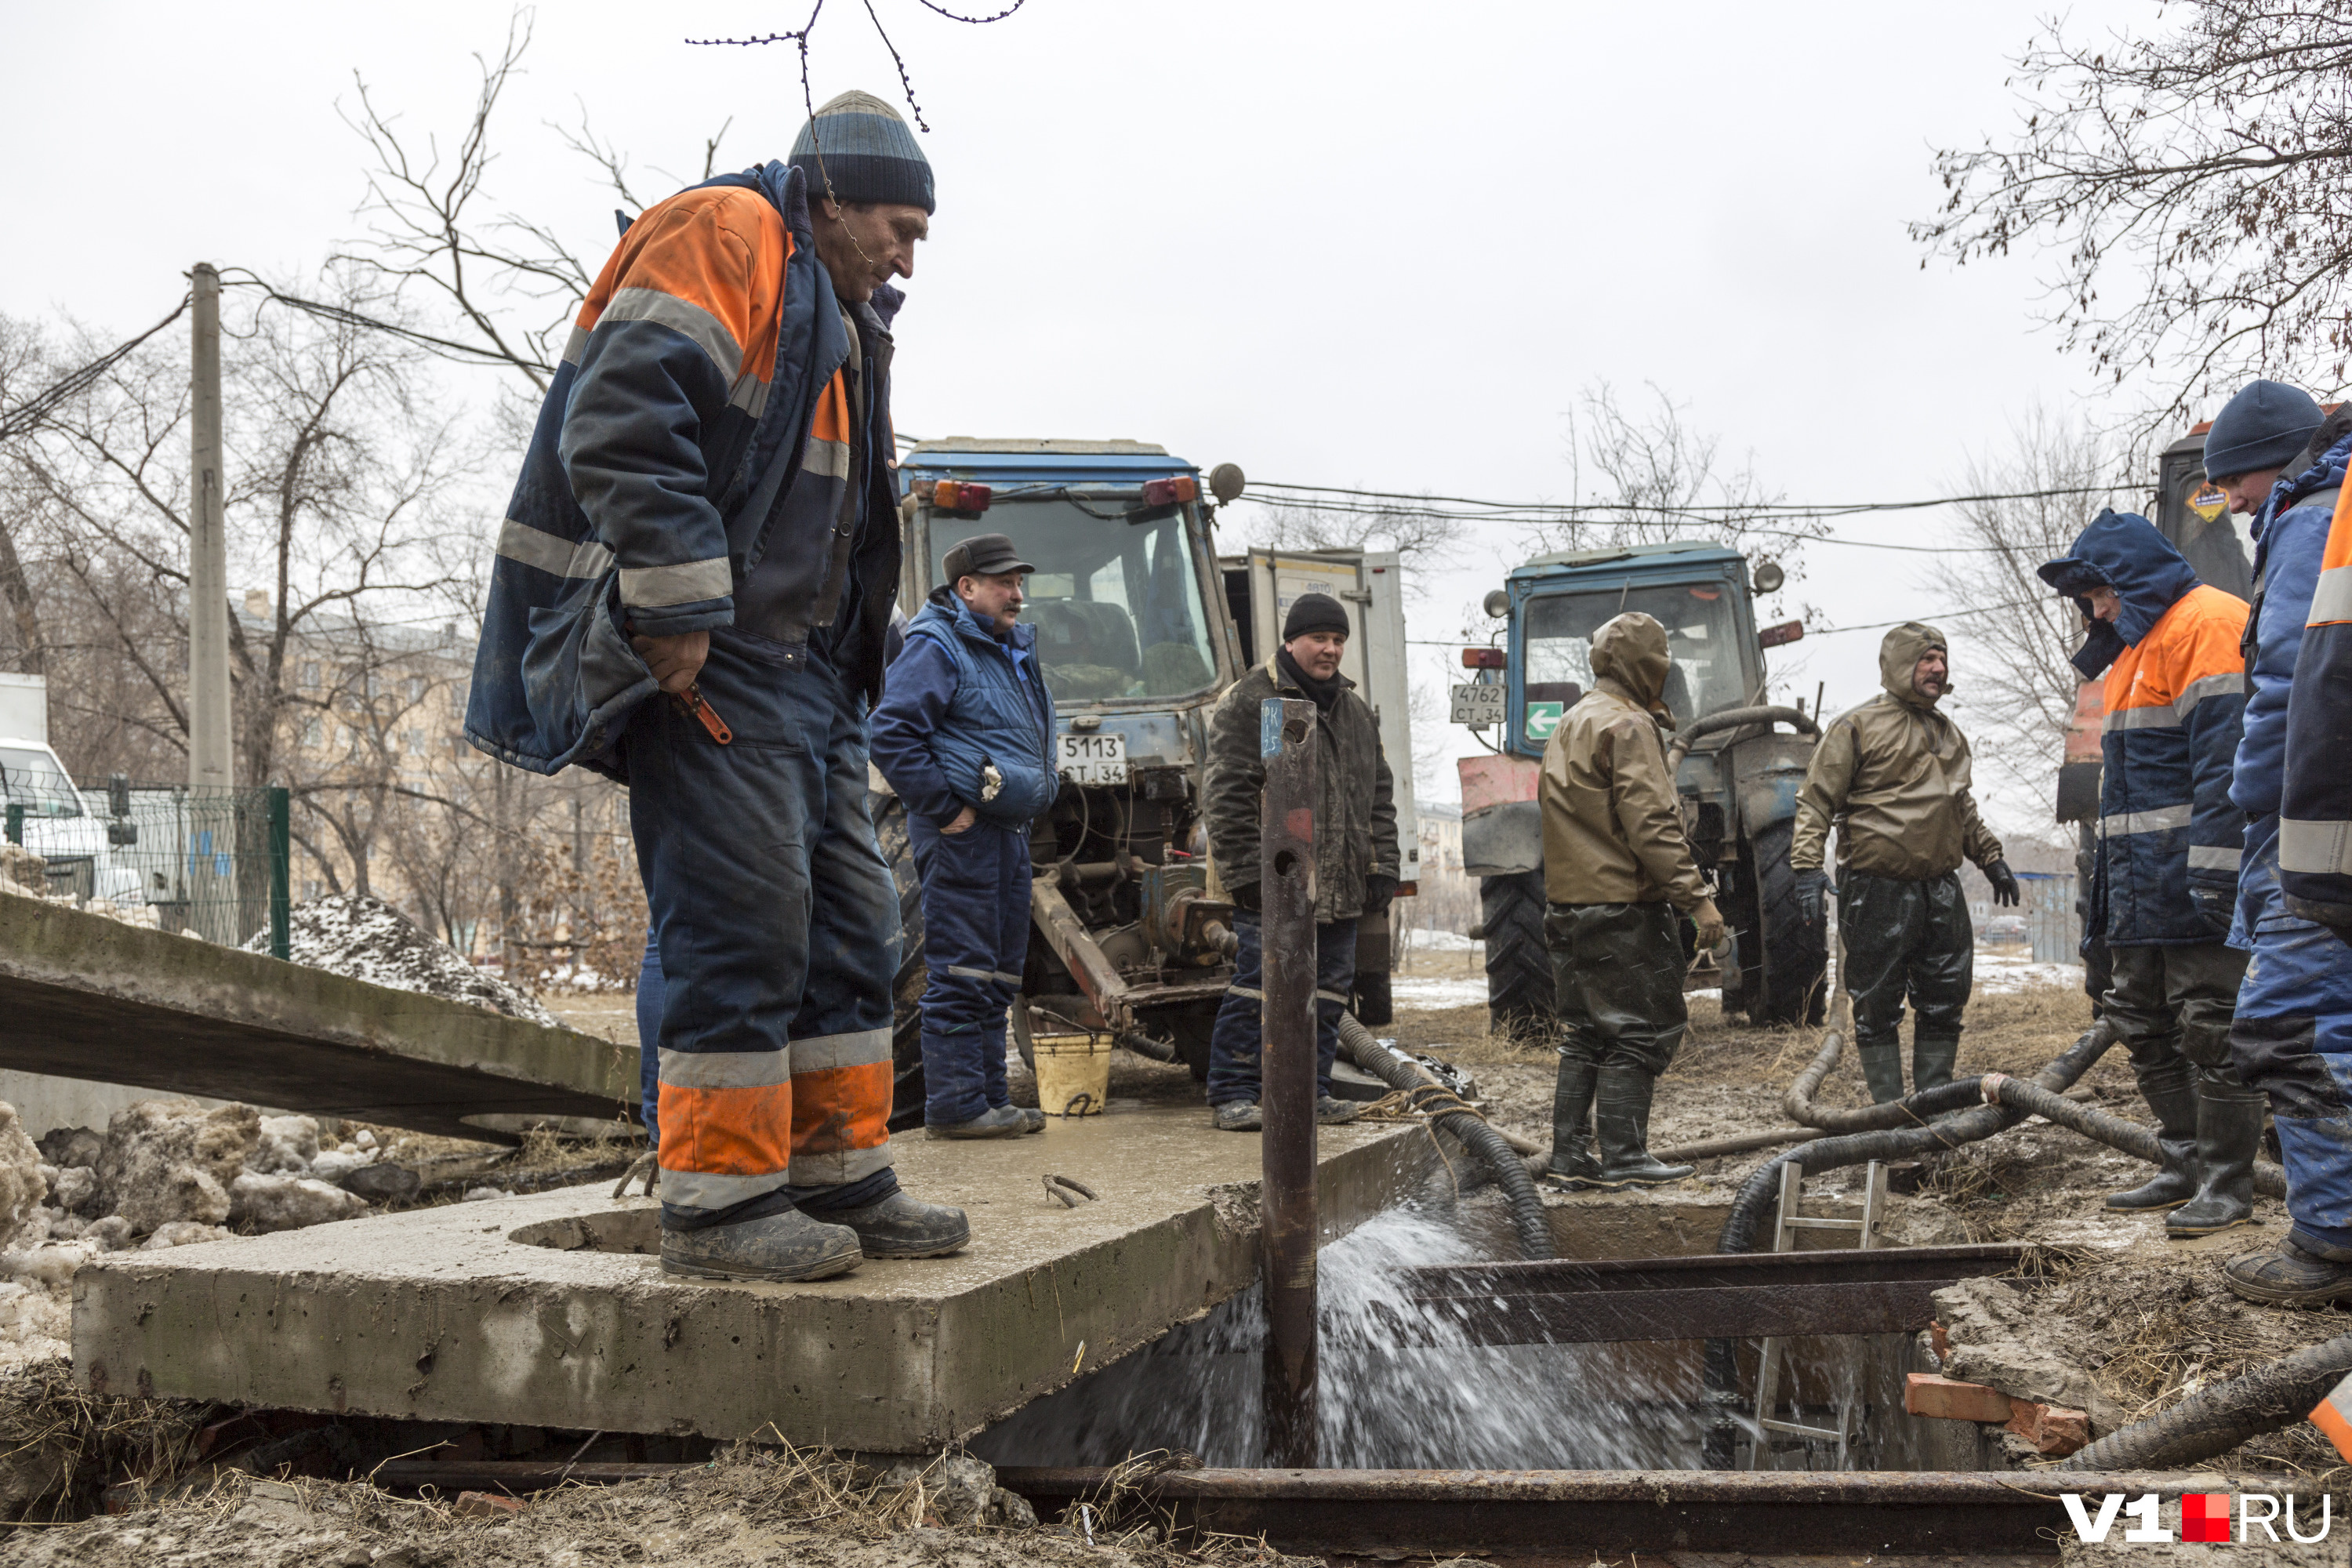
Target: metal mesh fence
(209, 862)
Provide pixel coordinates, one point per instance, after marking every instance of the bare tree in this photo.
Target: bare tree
(1646, 476)
(2021, 696)
(2193, 185)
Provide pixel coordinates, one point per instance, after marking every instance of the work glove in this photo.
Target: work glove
(1709, 920)
(1378, 892)
(1245, 897)
(1814, 888)
(2004, 884)
(2215, 903)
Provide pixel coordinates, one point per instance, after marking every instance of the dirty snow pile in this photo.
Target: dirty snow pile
(364, 938)
(24, 874)
(165, 1172)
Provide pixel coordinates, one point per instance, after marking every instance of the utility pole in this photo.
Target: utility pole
(212, 816)
(211, 759)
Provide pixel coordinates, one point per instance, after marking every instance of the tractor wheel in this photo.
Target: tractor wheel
(1191, 1028)
(1375, 1008)
(1519, 992)
(907, 987)
(1792, 949)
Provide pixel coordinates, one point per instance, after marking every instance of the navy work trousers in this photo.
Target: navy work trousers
(777, 927)
(975, 938)
(1240, 1035)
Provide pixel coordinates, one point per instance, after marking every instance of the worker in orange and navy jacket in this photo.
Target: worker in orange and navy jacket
(2166, 876)
(692, 592)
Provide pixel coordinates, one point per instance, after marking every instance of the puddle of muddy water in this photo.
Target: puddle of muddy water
(1391, 1405)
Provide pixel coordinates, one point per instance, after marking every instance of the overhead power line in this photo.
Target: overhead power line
(33, 412)
(1397, 500)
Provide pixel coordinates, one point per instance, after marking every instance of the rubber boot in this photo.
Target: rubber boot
(789, 1246)
(1003, 1122)
(1572, 1123)
(1622, 1119)
(1882, 1070)
(2171, 1090)
(902, 1226)
(1931, 1063)
(2229, 1130)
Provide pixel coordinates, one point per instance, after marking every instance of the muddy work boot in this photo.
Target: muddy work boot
(2171, 1090)
(1622, 1120)
(901, 1226)
(2288, 1278)
(1003, 1122)
(1571, 1124)
(1034, 1121)
(1237, 1116)
(788, 1246)
(1331, 1111)
(2229, 1131)
(1882, 1070)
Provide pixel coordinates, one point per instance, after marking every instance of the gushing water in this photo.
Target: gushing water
(1385, 1400)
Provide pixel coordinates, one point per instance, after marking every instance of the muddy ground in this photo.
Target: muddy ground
(2148, 1321)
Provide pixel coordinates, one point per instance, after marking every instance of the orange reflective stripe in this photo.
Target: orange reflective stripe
(2200, 636)
(2328, 1418)
(831, 422)
(2331, 597)
(840, 1109)
(729, 1131)
(2339, 533)
(720, 253)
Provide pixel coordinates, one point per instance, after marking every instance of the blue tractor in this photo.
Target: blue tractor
(1737, 771)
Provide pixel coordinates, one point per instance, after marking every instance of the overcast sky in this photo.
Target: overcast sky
(1360, 244)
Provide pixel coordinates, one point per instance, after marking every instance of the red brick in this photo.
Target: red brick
(2051, 1428)
(484, 1505)
(1947, 1399)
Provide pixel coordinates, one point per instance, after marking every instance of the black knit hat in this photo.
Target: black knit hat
(856, 148)
(1315, 613)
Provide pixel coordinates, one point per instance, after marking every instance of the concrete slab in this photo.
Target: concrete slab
(99, 1000)
(551, 1311)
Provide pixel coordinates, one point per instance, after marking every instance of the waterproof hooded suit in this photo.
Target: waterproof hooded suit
(1617, 866)
(1893, 777)
(2170, 839)
(710, 456)
(2293, 1034)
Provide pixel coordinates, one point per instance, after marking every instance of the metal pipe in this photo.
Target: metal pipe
(1288, 1077)
(1739, 1143)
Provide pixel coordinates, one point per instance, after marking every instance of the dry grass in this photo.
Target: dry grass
(60, 1444)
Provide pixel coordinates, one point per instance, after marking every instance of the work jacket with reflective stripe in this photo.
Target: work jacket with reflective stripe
(2315, 790)
(2175, 701)
(707, 456)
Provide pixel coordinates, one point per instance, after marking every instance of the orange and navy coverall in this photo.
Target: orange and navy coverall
(711, 457)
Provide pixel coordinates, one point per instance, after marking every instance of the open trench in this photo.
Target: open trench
(1520, 1447)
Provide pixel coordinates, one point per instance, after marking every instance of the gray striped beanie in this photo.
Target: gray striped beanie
(856, 148)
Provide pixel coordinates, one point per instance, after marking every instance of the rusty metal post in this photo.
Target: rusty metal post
(1286, 1259)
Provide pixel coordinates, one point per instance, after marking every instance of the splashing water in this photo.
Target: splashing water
(1387, 1401)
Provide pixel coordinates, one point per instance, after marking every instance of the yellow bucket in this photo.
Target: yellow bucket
(1073, 1073)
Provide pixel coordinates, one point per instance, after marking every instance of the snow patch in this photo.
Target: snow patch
(364, 938)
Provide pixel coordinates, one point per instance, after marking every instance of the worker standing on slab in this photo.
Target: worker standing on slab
(692, 594)
(1617, 867)
(2292, 1035)
(965, 736)
(1893, 777)
(1356, 853)
(2165, 878)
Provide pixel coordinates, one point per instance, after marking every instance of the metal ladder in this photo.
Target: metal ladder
(1784, 1240)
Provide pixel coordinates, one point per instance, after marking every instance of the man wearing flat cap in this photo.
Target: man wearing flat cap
(965, 735)
(1356, 855)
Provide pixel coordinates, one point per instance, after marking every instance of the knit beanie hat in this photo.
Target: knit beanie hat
(2262, 427)
(856, 148)
(1315, 613)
